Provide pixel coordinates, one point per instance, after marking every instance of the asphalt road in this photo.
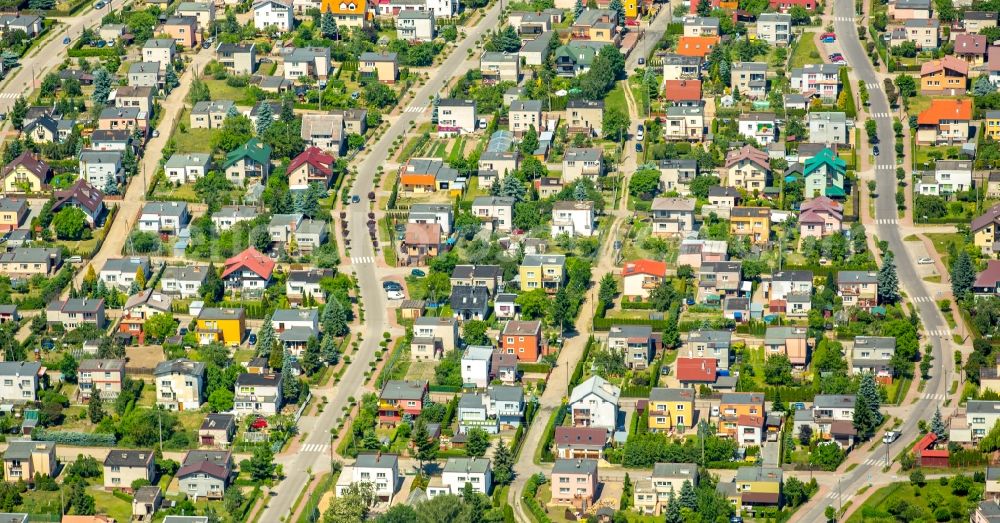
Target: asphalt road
(885, 209)
(49, 55)
(650, 36)
(372, 296)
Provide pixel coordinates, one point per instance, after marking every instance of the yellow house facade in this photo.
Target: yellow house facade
(542, 271)
(991, 125)
(347, 13)
(671, 409)
(24, 458)
(985, 229)
(25, 174)
(754, 222)
(221, 326)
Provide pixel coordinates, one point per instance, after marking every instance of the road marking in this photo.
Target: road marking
(9, 96)
(415, 109)
(844, 18)
(885, 167)
(873, 86)
(936, 397)
(922, 299)
(940, 333)
(887, 221)
(314, 447)
(880, 115)
(871, 462)
(357, 260)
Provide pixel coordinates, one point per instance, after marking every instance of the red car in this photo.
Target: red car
(828, 35)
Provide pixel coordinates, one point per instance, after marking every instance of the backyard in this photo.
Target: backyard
(805, 51)
(918, 503)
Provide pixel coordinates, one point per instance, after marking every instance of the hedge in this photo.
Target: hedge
(578, 370)
(541, 368)
(444, 388)
(530, 490)
(604, 324)
(550, 433)
(640, 305)
(850, 109)
(79, 439)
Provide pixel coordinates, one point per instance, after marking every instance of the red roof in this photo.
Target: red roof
(696, 370)
(990, 276)
(750, 153)
(250, 259)
(585, 436)
(650, 267)
(960, 109)
(315, 157)
(925, 442)
(750, 421)
(698, 46)
(682, 90)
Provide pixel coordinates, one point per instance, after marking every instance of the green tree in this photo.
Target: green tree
(534, 304)
(704, 8)
(577, 9)
(688, 498)
(328, 26)
(503, 464)
(827, 456)
(608, 290)
(95, 409)
(477, 442)
(102, 86)
(615, 124)
(906, 85)
(983, 86)
(212, 289)
(160, 326)
(888, 282)
(68, 366)
(221, 400)
(672, 514)
(266, 338)
(561, 308)
(426, 447)
(265, 117)
(963, 275)
(261, 465)
(644, 183)
(778, 370)
(69, 223)
(529, 142)
(937, 426)
(619, 9)
(917, 478)
(474, 332)
(311, 362)
(18, 112)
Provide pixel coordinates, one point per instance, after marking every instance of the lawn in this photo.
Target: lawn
(805, 51)
(107, 503)
(616, 99)
(222, 91)
(185, 192)
(191, 140)
(942, 241)
(919, 499)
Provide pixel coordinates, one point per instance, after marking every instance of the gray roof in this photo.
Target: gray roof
(218, 421)
(145, 494)
(755, 67)
(176, 209)
(456, 102)
(673, 204)
(128, 458)
(13, 204)
(91, 156)
(369, 56)
(216, 313)
(630, 331)
(126, 265)
(875, 342)
(478, 353)
(492, 201)
(179, 366)
(237, 211)
(678, 163)
(77, 305)
(684, 111)
(537, 260)
(23, 449)
(492, 56)
(467, 465)
(144, 67)
(598, 386)
(506, 393)
(988, 509)
(247, 379)
(583, 154)
(377, 461)
(526, 105)
(19, 368)
(91, 365)
(297, 334)
(30, 254)
(665, 394)
(414, 14)
(404, 390)
(758, 474)
(982, 407)
(743, 398)
(180, 160)
(539, 44)
(710, 336)
(779, 334)
(793, 276)
(830, 401)
(186, 273)
(774, 17)
(159, 43)
(295, 315)
(676, 470)
(217, 106)
(922, 23)
(575, 466)
(471, 400)
(857, 277)
(831, 117)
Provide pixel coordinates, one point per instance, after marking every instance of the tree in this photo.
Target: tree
(906, 85)
(95, 409)
(400, 513)
(805, 435)
(261, 465)
(963, 275)
(477, 442)
(426, 447)
(888, 282)
(233, 500)
(800, 16)
(160, 326)
(615, 124)
(265, 117)
(335, 318)
(827, 456)
(688, 498)
(644, 183)
(79, 502)
(704, 8)
(529, 142)
(170, 80)
(328, 26)
(672, 514)
(663, 295)
(102, 86)
(608, 289)
(221, 400)
(290, 386)
(534, 304)
(561, 308)
(212, 289)
(352, 505)
(937, 426)
(983, 86)
(68, 366)
(577, 9)
(794, 491)
(18, 112)
(503, 464)
(778, 370)
(504, 40)
(619, 9)
(265, 337)
(474, 332)
(69, 223)
(512, 187)
(830, 513)
(917, 478)
(867, 408)
(311, 362)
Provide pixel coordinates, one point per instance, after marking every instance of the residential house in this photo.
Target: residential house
(985, 231)
(749, 79)
(433, 213)
(679, 67)
(505, 306)
(110, 140)
(831, 418)
(758, 486)
(672, 216)
(159, 50)
(29, 261)
(124, 467)
(580, 162)
(145, 502)
(250, 160)
(753, 222)
(522, 339)
(713, 344)
(910, 9)
(354, 13)
(790, 342)
(700, 25)
(498, 211)
(325, 131)
(74, 312)
(306, 282)
(822, 80)
(138, 309)
(183, 29)
(187, 168)
(697, 46)
(790, 292)
(413, 25)
(421, 175)
(470, 303)
(524, 115)
(476, 365)
(594, 403)
(25, 174)
(971, 48)
(758, 126)
(122, 272)
(13, 213)
(652, 495)
(820, 217)
(217, 430)
(25, 458)
(925, 34)
(310, 235)
(237, 58)
(203, 12)
(671, 409)
(274, 14)
(145, 74)
(991, 127)
(488, 276)
(30, 24)
(312, 166)
(682, 92)
(459, 472)
(873, 354)
(775, 28)
(101, 168)
(696, 372)
(132, 119)
(945, 77)
(640, 277)
(216, 325)
(949, 176)
(720, 279)
(283, 227)
(456, 116)
(824, 175)
(382, 470)
(722, 199)
(736, 404)
(399, 398)
(421, 241)
(575, 57)
(308, 62)
(184, 281)
(976, 21)
(858, 289)
(211, 115)
(497, 164)
(9, 313)
(574, 482)
(104, 377)
(179, 384)
(573, 218)
(580, 442)
(205, 473)
(536, 52)
(684, 124)
(258, 394)
(584, 116)
(596, 25)
(636, 342)
(499, 67)
(829, 128)
(164, 217)
(677, 174)
(20, 380)
(382, 66)
(542, 271)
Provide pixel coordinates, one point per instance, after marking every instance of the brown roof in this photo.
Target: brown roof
(988, 217)
(760, 497)
(423, 234)
(990, 276)
(948, 62)
(749, 153)
(35, 165)
(206, 467)
(581, 436)
(970, 44)
(81, 193)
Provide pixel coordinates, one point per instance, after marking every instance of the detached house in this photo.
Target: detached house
(101, 168)
(775, 28)
(25, 174)
(671, 409)
(858, 289)
(205, 473)
(873, 354)
(748, 168)
(187, 168)
(184, 281)
(325, 131)
(542, 271)
(822, 80)
(985, 230)
(238, 58)
(248, 271)
(652, 495)
(587, 162)
(123, 467)
(456, 116)
(499, 67)
(945, 121)
(19, 381)
(399, 398)
(791, 342)
(250, 160)
(309, 167)
(713, 344)
(257, 394)
(945, 77)
(758, 126)
(164, 217)
(585, 116)
(573, 218)
(273, 13)
(307, 62)
(672, 216)
(636, 342)
(640, 277)
(138, 309)
(754, 222)
(686, 124)
(820, 217)
(381, 470)
(574, 482)
(522, 339)
(750, 79)
(736, 404)
(594, 403)
(179, 384)
(74, 312)
(580, 442)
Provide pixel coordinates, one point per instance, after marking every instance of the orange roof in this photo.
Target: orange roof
(947, 62)
(417, 179)
(250, 259)
(650, 267)
(960, 109)
(344, 7)
(698, 46)
(682, 90)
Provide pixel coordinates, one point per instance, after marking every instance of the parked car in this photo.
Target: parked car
(925, 261)
(66, 41)
(418, 273)
(252, 339)
(395, 295)
(638, 147)
(642, 61)
(890, 436)
(355, 199)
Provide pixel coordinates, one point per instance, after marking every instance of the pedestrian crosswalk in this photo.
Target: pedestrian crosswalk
(842, 496)
(940, 333)
(875, 461)
(415, 109)
(314, 447)
(886, 221)
(8, 96)
(873, 86)
(844, 18)
(880, 115)
(935, 397)
(922, 299)
(358, 260)
(885, 167)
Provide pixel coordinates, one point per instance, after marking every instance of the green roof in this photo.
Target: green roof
(835, 192)
(580, 53)
(254, 149)
(825, 157)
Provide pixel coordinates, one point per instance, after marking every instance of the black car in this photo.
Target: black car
(875, 150)
(873, 140)
(638, 147)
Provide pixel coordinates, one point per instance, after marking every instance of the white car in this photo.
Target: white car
(925, 261)
(394, 295)
(890, 436)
